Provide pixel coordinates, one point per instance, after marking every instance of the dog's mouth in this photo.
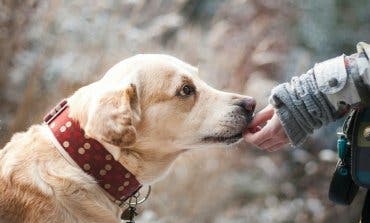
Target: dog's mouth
(230, 137)
(223, 139)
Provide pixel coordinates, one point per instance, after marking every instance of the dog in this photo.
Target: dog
(145, 112)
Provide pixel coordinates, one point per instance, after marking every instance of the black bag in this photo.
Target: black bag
(353, 168)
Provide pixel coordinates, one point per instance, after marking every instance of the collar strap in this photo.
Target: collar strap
(90, 155)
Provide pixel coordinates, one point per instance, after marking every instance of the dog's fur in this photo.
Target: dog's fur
(140, 113)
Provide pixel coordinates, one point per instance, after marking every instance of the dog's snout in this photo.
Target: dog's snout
(248, 104)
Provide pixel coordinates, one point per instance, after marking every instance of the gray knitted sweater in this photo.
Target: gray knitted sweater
(323, 94)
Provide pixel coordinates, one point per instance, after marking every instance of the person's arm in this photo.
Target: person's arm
(312, 100)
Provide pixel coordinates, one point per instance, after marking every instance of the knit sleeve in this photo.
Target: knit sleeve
(301, 107)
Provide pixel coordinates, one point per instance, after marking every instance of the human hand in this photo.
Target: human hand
(271, 136)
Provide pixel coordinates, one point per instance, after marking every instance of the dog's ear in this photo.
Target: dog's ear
(113, 115)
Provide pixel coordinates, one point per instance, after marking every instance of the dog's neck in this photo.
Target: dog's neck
(89, 154)
(147, 162)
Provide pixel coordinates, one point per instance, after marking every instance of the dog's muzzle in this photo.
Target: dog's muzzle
(237, 122)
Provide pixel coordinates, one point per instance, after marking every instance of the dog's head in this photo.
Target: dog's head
(152, 103)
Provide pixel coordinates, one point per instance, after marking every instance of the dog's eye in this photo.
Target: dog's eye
(186, 90)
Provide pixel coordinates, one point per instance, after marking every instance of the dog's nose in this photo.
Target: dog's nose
(248, 104)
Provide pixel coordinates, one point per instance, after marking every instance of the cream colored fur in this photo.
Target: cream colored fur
(137, 111)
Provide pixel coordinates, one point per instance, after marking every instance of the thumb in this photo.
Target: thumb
(263, 116)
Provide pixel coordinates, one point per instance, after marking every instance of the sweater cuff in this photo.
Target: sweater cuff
(293, 130)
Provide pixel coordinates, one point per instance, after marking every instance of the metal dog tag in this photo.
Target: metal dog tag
(129, 214)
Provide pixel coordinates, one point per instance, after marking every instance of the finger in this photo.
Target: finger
(266, 145)
(254, 129)
(276, 147)
(258, 137)
(263, 116)
(271, 129)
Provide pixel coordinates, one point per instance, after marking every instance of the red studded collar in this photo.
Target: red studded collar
(90, 155)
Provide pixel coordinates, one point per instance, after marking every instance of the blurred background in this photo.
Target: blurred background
(48, 49)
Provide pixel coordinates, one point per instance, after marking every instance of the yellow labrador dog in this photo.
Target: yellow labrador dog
(144, 113)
